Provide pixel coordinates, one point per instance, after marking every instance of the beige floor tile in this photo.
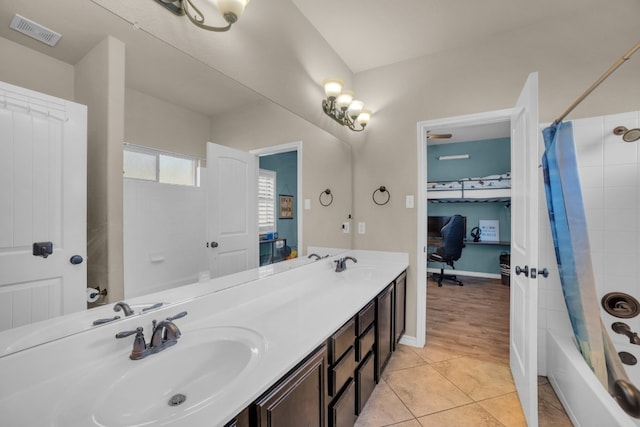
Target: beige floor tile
(506, 409)
(383, 408)
(464, 416)
(432, 353)
(480, 379)
(424, 391)
(550, 410)
(404, 357)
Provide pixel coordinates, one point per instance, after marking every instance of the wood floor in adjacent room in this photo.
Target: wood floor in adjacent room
(462, 376)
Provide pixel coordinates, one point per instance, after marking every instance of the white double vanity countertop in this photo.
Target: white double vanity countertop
(236, 342)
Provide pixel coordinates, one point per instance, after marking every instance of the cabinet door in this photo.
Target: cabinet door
(298, 400)
(400, 307)
(384, 329)
(365, 381)
(342, 409)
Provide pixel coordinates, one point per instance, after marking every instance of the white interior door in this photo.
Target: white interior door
(524, 248)
(232, 210)
(43, 190)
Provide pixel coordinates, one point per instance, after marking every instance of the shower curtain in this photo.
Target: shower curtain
(571, 242)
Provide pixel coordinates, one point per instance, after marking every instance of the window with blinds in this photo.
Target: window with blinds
(267, 201)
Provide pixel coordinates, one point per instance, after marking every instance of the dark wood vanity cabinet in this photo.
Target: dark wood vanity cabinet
(400, 303)
(342, 364)
(298, 399)
(332, 385)
(384, 329)
(365, 340)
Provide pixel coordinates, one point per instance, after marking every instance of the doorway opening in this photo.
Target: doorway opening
(455, 136)
(282, 237)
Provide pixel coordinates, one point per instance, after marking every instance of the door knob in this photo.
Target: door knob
(524, 270)
(544, 272)
(76, 259)
(212, 245)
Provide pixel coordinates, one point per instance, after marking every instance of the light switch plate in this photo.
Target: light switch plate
(307, 204)
(346, 228)
(361, 228)
(409, 202)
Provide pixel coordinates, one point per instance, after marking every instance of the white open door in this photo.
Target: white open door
(524, 248)
(232, 210)
(43, 188)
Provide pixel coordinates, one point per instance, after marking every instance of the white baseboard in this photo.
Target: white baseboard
(466, 273)
(408, 340)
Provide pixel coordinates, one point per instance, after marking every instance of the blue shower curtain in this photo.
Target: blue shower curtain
(570, 239)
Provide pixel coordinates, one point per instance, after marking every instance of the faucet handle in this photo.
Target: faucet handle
(177, 316)
(125, 334)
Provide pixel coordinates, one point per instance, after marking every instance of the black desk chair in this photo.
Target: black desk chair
(450, 249)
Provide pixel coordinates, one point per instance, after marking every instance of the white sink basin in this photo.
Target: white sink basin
(201, 367)
(357, 273)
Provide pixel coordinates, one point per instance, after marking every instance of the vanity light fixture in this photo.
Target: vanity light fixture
(341, 107)
(229, 9)
(454, 157)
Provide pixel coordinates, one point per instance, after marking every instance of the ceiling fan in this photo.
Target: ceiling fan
(439, 135)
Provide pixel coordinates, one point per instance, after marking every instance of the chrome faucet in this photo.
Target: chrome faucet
(165, 334)
(624, 329)
(124, 307)
(341, 264)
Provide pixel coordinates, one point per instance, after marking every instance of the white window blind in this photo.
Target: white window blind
(266, 201)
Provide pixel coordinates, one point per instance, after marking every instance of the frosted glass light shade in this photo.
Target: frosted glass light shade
(344, 99)
(234, 6)
(355, 108)
(332, 87)
(364, 117)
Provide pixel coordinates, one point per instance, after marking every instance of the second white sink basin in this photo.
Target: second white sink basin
(163, 387)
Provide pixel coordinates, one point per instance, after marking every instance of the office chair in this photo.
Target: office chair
(451, 248)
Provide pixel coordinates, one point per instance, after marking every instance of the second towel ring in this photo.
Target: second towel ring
(328, 193)
(381, 189)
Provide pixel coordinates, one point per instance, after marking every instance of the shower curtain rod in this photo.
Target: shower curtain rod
(602, 78)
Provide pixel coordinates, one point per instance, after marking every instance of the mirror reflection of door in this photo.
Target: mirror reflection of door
(43, 148)
(232, 206)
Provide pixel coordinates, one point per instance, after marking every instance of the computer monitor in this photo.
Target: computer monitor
(435, 224)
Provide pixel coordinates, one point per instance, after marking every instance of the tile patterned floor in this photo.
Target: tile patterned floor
(440, 386)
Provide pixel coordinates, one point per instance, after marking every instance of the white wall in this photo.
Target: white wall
(609, 174)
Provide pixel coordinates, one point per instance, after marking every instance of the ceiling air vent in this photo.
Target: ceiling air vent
(33, 30)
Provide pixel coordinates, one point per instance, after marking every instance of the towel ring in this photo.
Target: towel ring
(382, 189)
(328, 193)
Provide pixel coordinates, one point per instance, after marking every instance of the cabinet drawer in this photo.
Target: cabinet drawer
(366, 317)
(365, 342)
(342, 371)
(365, 381)
(342, 409)
(340, 342)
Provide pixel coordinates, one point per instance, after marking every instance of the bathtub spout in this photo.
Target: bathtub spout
(624, 329)
(628, 397)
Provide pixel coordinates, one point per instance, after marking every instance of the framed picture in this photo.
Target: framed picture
(286, 207)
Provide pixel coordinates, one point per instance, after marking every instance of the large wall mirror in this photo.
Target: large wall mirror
(173, 103)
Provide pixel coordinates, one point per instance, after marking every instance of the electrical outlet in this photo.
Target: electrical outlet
(307, 204)
(345, 228)
(361, 228)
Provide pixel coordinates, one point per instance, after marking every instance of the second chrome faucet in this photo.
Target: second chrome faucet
(165, 334)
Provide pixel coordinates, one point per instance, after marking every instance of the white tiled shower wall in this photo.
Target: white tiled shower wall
(609, 173)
